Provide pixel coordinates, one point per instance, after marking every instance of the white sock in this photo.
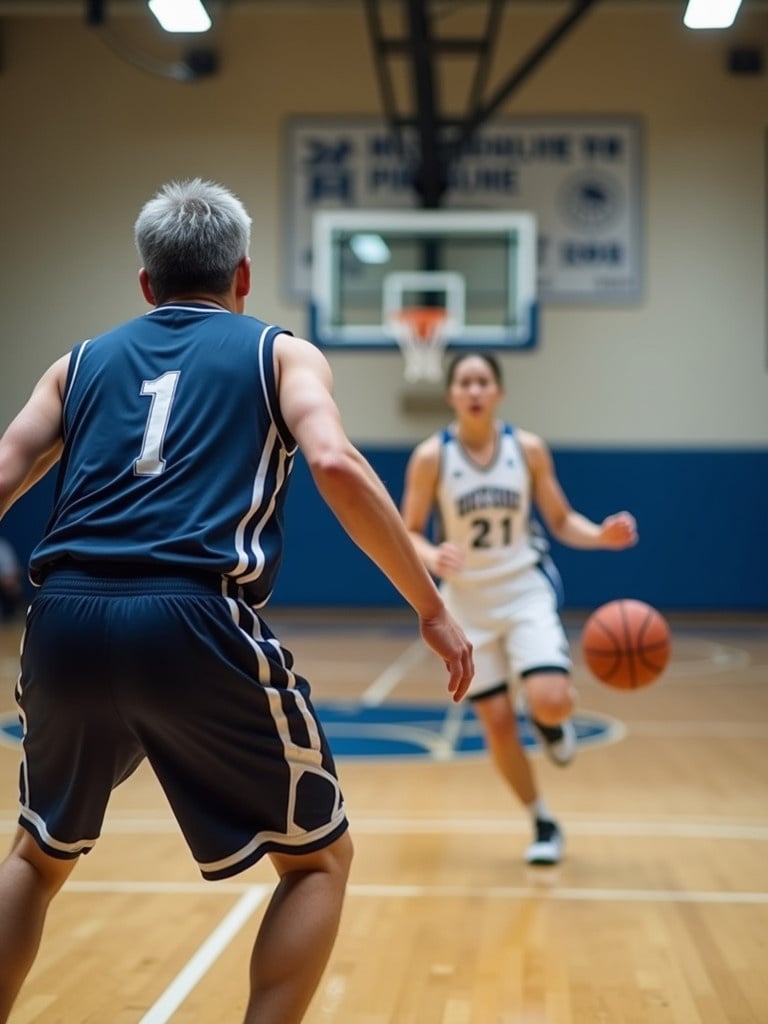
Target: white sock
(538, 809)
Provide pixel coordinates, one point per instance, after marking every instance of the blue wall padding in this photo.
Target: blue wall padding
(702, 517)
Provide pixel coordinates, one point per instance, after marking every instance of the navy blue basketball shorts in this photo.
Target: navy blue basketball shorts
(114, 670)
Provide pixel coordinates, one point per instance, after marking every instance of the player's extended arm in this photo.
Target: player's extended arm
(421, 477)
(570, 527)
(360, 501)
(33, 442)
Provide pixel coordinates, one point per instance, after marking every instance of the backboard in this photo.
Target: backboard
(479, 266)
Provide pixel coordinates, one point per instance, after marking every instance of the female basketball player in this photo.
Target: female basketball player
(483, 476)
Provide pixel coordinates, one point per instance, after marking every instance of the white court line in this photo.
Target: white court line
(255, 895)
(450, 733)
(710, 730)
(385, 683)
(206, 955)
(464, 823)
(501, 826)
(555, 893)
(713, 658)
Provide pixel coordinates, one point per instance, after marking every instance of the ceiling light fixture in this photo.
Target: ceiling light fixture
(710, 13)
(181, 15)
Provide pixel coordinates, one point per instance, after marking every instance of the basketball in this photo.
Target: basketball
(626, 644)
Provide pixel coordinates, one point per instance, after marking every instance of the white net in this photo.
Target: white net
(422, 333)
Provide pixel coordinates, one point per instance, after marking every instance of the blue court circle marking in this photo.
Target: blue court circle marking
(426, 732)
(10, 729)
(433, 731)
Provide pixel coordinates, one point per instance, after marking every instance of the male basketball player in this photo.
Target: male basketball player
(176, 434)
(484, 477)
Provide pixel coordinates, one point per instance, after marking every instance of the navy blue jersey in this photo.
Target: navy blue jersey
(175, 451)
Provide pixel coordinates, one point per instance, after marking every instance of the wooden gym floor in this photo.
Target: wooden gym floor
(658, 914)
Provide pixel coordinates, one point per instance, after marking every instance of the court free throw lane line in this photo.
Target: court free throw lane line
(386, 681)
(210, 950)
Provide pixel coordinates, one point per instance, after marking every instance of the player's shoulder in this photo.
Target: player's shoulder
(529, 441)
(428, 450)
(426, 459)
(132, 331)
(423, 469)
(128, 326)
(292, 351)
(535, 450)
(293, 343)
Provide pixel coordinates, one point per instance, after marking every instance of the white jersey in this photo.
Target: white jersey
(486, 510)
(507, 593)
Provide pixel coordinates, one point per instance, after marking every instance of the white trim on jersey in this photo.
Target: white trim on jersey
(256, 554)
(189, 309)
(71, 383)
(265, 390)
(257, 494)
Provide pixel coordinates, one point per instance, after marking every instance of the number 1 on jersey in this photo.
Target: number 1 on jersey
(162, 390)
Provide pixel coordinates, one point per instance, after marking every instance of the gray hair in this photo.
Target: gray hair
(191, 236)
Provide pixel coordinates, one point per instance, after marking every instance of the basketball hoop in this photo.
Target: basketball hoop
(422, 334)
(414, 316)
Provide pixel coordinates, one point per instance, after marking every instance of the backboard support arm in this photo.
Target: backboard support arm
(442, 140)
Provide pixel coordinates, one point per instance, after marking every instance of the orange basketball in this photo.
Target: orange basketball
(626, 644)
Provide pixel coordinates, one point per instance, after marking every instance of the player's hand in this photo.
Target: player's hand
(618, 531)
(446, 638)
(448, 559)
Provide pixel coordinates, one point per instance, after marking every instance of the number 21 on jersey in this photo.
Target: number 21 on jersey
(482, 533)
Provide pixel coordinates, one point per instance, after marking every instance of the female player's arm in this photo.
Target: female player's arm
(421, 477)
(570, 527)
(33, 441)
(360, 501)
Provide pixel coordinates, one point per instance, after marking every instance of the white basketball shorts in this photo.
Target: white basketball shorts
(514, 627)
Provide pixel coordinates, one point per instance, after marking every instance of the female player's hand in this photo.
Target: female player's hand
(448, 559)
(618, 531)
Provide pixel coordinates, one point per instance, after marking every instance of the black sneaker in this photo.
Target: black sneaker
(547, 847)
(557, 741)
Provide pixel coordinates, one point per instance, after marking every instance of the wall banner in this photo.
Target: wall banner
(580, 176)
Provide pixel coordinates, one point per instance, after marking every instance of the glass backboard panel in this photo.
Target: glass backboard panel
(479, 265)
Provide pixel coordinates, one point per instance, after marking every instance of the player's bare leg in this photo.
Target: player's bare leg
(550, 696)
(297, 934)
(499, 721)
(29, 879)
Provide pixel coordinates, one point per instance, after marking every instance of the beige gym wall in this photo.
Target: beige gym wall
(87, 137)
